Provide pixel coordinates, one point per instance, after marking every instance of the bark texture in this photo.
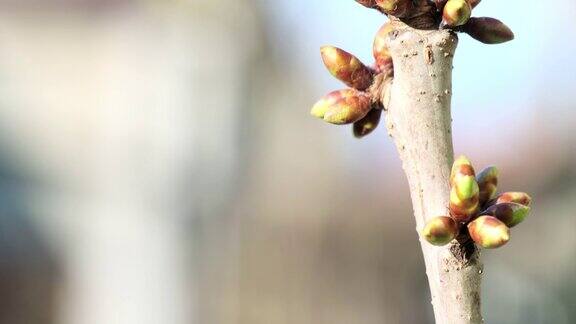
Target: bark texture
(419, 120)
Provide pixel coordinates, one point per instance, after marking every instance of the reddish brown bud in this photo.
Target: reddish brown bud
(367, 124)
(489, 232)
(396, 8)
(488, 183)
(455, 13)
(380, 49)
(343, 107)
(473, 3)
(509, 213)
(367, 3)
(440, 230)
(488, 30)
(521, 198)
(346, 67)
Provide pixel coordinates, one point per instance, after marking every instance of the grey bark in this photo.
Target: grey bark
(419, 120)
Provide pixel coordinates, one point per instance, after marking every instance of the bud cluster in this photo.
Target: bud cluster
(355, 105)
(453, 14)
(476, 206)
(456, 14)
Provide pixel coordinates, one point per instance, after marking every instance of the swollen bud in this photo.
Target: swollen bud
(351, 106)
(488, 183)
(320, 108)
(464, 198)
(380, 49)
(367, 124)
(488, 30)
(509, 213)
(440, 230)
(489, 232)
(461, 166)
(346, 67)
(464, 192)
(455, 13)
(521, 198)
(396, 8)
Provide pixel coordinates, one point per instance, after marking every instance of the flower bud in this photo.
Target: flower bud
(521, 198)
(346, 67)
(461, 166)
(488, 30)
(380, 49)
(489, 232)
(396, 8)
(464, 198)
(351, 106)
(455, 13)
(509, 213)
(440, 230)
(320, 108)
(488, 183)
(367, 124)
(464, 192)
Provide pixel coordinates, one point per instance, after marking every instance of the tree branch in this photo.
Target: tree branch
(419, 120)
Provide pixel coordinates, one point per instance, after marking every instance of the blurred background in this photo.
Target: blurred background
(158, 164)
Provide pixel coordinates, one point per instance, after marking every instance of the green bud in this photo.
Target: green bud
(464, 192)
(521, 198)
(352, 106)
(488, 183)
(320, 108)
(488, 30)
(509, 213)
(396, 8)
(464, 196)
(489, 232)
(461, 167)
(346, 67)
(440, 230)
(380, 49)
(455, 13)
(367, 124)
